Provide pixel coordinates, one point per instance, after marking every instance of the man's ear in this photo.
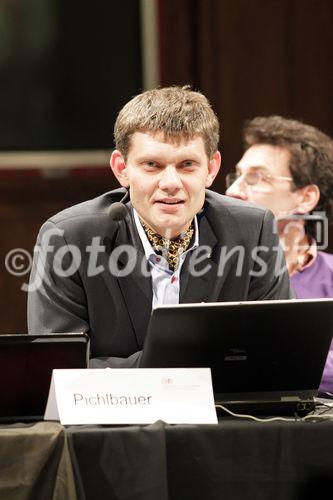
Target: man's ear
(308, 198)
(213, 168)
(118, 167)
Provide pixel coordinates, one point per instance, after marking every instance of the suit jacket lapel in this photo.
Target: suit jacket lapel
(134, 283)
(199, 286)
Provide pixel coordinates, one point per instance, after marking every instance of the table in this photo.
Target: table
(229, 461)
(232, 460)
(35, 463)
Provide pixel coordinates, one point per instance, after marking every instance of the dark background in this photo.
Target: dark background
(252, 57)
(66, 68)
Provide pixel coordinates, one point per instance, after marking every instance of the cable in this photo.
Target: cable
(319, 416)
(257, 419)
(274, 419)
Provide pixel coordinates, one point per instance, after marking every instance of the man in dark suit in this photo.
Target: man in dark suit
(175, 240)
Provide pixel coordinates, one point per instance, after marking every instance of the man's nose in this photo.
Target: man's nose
(170, 179)
(237, 190)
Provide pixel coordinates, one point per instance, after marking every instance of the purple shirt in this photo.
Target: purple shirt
(315, 282)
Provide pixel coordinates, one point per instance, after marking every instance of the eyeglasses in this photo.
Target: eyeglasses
(260, 180)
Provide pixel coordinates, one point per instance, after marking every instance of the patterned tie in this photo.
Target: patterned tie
(170, 249)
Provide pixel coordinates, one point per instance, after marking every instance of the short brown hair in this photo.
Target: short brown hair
(177, 112)
(311, 151)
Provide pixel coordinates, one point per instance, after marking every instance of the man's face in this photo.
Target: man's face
(269, 164)
(167, 180)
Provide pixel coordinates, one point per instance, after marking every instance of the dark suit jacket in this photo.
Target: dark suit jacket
(113, 306)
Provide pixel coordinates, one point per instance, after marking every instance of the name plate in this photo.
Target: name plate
(131, 396)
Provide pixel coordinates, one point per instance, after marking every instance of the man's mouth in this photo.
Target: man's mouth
(170, 202)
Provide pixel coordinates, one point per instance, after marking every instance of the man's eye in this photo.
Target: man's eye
(265, 178)
(150, 164)
(188, 163)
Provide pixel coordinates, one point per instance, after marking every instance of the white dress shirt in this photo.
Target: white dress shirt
(165, 282)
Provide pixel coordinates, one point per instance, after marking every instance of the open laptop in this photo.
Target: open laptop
(26, 364)
(265, 357)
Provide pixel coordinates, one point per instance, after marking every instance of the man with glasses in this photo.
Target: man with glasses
(288, 167)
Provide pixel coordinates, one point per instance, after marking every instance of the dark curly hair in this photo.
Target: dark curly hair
(310, 149)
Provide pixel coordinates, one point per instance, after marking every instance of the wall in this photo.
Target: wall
(252, 57)
(27, 199)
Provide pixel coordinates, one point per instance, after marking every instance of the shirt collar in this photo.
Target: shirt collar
(308, 257)
(148, 249)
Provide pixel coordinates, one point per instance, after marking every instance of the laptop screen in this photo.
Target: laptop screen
(251, 347)
(26, 364)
